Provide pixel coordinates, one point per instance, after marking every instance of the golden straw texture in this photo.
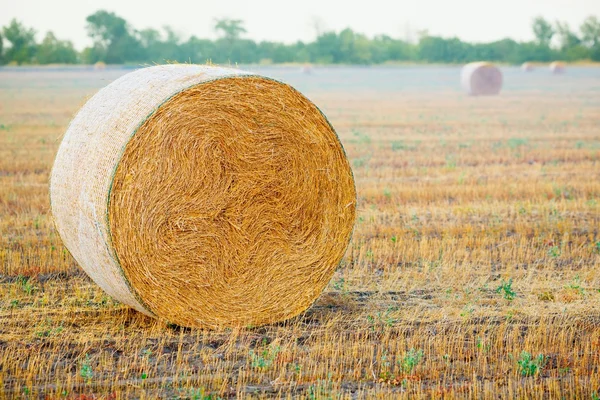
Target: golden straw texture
(232, 204)
(481, 79)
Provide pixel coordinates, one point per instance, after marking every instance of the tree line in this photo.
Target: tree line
(115, 41)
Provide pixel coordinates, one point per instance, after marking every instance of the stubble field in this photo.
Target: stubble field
(473, 270)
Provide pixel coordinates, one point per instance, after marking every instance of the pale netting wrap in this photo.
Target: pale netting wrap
(481, 79)
(88, 156)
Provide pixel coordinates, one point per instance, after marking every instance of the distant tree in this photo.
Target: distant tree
(230, 29)
(543, 31)
(590, 36)
(355, 47)
(534, 51)
(113, 40)
(22, 43)
(198, 50)
(54, 51)
(501, 50)
(590, 31)
(570, 45)
(326, 49)
(160, 47)
(566, 37)
(440, 50)
(1, 48)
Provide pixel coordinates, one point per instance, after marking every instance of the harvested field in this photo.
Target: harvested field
(473, 270)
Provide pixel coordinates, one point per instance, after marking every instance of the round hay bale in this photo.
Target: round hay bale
(527, 67)
(558, 67)
(204, 196)
(481, 79)
(100, 65)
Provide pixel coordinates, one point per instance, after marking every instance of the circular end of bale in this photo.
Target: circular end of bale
(232, 204)
(481, 79)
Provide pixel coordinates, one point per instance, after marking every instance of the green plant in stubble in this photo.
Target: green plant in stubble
(382, 319)
(26, 285)
(506, 290)
(481, 345)
(198, 394)
(265, 358)
(85, 370)
(554, 251)
(398, 145)
(385, 373)
(361, 161)
(515, 143)
(410, 360)
(361, 138)
(576, 285)
(467, 310)
(530, 366)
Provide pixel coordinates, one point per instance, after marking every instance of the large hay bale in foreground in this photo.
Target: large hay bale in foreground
(481, 79)
(558, 67)
(204, 196)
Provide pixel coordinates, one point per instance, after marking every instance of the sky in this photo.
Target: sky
(288, 21)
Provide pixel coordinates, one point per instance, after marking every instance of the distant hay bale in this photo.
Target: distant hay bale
(527, 67)
(100, 65)
(558, 67)
(481, 79)
(307, 69)
(204, 196)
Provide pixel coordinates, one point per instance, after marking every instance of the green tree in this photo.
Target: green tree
(54, 51)
(533, 51)
(159, 47)
(230, 29)
(113, 40)
(327, 49)
(355, 48)
(566, 37)
(1, 48)
(198, 50)
(590, 36)
(229, 48)
(570, 45)
(590, 31)
(439, 50)
(22, 43)
(543, 31)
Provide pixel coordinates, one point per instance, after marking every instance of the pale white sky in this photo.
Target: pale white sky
(288, 21)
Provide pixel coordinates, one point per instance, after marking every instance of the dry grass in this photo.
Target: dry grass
(477, 244)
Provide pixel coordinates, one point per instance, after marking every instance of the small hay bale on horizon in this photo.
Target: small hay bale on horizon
(557, 67)
(527, 67)
(100, 66)
(204, 196)
(481, 79)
